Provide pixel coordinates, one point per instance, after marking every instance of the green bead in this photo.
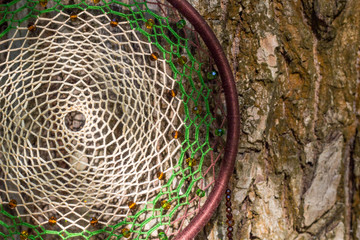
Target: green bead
(219, 132)
(162, 236)
(200, 192)
(181, 24)
(212, 75)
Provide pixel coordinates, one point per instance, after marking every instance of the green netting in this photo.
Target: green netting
(196, 114)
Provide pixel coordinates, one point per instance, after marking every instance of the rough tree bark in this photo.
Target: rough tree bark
(297, 66)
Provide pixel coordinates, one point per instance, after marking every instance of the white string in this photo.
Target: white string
(105, 75)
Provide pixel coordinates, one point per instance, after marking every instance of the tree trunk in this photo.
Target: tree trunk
(297, 67)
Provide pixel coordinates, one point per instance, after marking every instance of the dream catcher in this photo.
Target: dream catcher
(118, 119)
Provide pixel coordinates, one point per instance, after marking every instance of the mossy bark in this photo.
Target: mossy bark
(297, 67)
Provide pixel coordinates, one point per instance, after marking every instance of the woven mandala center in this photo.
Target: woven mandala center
(75, 121)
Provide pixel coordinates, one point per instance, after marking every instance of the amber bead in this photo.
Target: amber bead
(228, 210)
(172, 93)
(191, 162)
(230, 222)
(31, 27)
(132, 205)
(96, 1)
(12, 204)
(52, 221)
(73, 16)
(165, 205)
(149, 23)
(230, 229)
(154, 56)
(229, 215)
(176, 134)
(125, 232)
(24, 235)
(94, 221)
(228, 197)
(160, 175)
(114, 23)
(228, 204)
(182, 60)
(43, 3)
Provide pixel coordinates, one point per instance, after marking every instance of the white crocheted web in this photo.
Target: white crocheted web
(85, 121)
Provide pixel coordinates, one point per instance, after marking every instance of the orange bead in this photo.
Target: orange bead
(125, 232)
(114, 23)
(73, 16)
(191, 162)
(154, 56)
(52, 221)
(160, 175)
(31, 27)
(172, 93)
(12, 204)
(132, 205)
(96, 1)
(176, 134)
(149, 23)
(94, 221)
(182, 60)
(165, 205)
(24, 235)
(43, 3)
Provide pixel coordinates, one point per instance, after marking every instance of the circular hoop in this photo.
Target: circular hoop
(227, 166)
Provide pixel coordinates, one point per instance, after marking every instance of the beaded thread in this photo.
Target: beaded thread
(230, 221)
